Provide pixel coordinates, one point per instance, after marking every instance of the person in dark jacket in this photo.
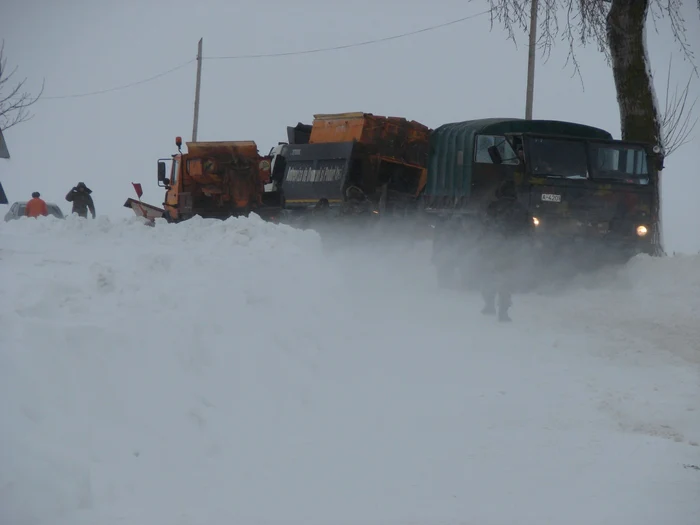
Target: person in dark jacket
(503, 246)
(81, 199)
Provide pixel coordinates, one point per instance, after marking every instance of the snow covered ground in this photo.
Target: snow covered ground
(239, 372)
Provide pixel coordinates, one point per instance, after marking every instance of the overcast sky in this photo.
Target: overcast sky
(455, 73)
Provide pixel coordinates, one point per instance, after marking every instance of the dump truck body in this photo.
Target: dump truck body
(356, 159)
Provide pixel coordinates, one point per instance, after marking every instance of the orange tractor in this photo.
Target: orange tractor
(213, 180)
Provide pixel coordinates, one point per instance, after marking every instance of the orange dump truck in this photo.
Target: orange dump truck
(213, 180)
(357, 161)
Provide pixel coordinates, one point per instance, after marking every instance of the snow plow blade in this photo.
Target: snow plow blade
(141, 209)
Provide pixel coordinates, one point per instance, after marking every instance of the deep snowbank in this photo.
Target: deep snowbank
(212, 372)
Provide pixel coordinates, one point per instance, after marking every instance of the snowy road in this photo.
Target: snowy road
(213, 372)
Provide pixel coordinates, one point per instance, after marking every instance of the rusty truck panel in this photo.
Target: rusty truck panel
(363, 127)
(396, 137)
(341, 127)
(387, 140)
(205, 161)
(237, 148)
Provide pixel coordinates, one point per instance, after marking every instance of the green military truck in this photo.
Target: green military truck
(591, 199)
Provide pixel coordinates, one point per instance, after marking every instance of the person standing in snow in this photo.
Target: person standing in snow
(506, 226)
(81, 199)
(36, 206)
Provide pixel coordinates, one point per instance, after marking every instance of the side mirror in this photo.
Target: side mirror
(495, 155)
(161, 171)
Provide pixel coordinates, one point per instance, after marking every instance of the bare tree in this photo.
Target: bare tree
(677, 118)
(14, 99)
(616, 27)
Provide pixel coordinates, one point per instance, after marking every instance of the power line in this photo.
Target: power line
(117, 88)
(347, 46)
(270, 55)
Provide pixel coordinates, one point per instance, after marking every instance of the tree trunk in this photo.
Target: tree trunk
(639, 112)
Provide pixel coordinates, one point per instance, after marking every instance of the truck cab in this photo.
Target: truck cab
(216, 180)
(276, 163)
(589, 196)
(582, 190)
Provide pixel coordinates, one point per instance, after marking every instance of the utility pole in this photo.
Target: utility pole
(196, 92)
(531, 61)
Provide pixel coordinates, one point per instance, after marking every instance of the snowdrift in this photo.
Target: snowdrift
(219, 372)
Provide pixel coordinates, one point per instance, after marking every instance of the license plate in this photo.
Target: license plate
(551, 197)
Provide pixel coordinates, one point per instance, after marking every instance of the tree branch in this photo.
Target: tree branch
(677, 117)
(14, 99)
(584, 23)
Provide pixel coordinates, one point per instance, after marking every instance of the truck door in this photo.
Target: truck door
(486, 174)
(173, 192)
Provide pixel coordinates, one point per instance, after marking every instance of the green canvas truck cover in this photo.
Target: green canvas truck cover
(452, 148)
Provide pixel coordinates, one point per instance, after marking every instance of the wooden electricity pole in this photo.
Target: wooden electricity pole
(531, 61)
(196, 92)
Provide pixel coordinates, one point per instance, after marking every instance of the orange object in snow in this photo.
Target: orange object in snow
(36, 207)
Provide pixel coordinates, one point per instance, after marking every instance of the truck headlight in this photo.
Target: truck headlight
(642, 230)
(535, 221)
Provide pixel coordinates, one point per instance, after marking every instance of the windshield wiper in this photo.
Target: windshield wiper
(563, 177)
(622, 177)
(550, 175)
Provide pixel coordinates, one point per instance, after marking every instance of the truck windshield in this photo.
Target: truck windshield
(557, 158)
(621, 163)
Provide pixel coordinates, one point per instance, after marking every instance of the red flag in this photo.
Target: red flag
(137, 187)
